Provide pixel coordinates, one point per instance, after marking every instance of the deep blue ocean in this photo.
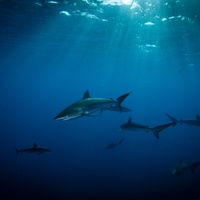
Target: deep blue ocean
(51, 52)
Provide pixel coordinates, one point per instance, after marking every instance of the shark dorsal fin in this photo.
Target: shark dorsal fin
(35, 146)
(197, 117)
(129, 120)
(86, 95)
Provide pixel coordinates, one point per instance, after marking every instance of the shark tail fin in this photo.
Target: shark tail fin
(157, 129)
(17, 151)
(121, 98)
(172, 118)
(194, 166)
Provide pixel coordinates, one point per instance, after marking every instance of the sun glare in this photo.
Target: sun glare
(127, 2)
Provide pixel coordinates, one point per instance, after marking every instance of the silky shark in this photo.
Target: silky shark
(88, 105)
(183, 167)
(131, 126)
(35, 150)
(193, 122)
(114, 144)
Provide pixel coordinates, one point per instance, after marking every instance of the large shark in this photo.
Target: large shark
(88, 105)
(35, 150)
(183, 167)
(131, 126)
(194, 122)
(114, 144)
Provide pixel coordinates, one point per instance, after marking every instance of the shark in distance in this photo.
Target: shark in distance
(114, 144)
(35, 149)
(183, 167)
(131, 126)
(87, 105)
(193, 122)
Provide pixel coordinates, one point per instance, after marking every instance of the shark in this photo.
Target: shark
(193, 122)
(183, 167)
(114, 144)
(87, 105)
(131, 126)
(35, 149)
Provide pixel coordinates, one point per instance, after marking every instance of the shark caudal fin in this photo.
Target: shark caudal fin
(156, 130)
(194, 166)
(171, 118)
(121, 98)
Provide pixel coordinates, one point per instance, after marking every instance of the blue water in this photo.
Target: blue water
(52, 51)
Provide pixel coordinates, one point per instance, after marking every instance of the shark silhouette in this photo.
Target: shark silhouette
(88, 105)
(193, 122)
(114, 144)
(183, 167)
(131, 126)
(35, 150)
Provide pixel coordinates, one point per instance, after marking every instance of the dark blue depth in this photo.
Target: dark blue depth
(52, 52)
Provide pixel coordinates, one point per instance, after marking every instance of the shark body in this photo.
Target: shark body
(193, 122)
(117, 109)
(35, 150)
(88, 105)
(131, 126)
(183, 167)
(114, 144)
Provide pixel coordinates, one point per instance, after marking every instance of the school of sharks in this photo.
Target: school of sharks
(88, 105)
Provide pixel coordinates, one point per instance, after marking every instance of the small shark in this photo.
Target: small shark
(88, 105)
(182, 167)
(130, 126)
(35, 150)
(193, 122)
(114, 144)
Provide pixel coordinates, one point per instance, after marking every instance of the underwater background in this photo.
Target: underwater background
(53, 51)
